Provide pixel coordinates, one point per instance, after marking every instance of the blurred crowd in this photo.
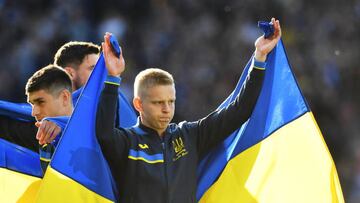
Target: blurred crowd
(205, 44)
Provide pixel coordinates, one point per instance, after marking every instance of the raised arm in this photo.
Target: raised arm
(107, 107)
(113, 141)
(214, 128)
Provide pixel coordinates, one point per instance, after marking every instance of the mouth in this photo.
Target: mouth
(164, 119)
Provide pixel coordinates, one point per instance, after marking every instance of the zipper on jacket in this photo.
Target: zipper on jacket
(165, 171)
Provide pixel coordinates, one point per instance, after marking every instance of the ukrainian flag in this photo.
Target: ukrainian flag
(278, 155)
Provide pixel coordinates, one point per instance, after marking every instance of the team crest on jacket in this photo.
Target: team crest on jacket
(143, 146)
(179, 148)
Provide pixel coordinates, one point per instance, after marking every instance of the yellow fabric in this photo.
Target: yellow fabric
(57, 188)
(291, 165)
(17, 187)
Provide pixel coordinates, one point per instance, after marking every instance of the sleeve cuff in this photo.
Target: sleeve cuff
(112, 80)
(259, 65)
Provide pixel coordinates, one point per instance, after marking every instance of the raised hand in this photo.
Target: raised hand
(264, 46)
(114, 64)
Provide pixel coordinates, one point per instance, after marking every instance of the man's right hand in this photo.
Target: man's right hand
(115, 65)
(47, 131)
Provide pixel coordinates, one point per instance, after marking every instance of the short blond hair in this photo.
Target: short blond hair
(150, 78)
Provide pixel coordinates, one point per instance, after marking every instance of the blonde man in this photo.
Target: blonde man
(155, 161)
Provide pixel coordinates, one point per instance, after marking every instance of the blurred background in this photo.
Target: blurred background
(205, 44)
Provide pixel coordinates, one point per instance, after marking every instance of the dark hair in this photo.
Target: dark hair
(51, 78)
(73, 53)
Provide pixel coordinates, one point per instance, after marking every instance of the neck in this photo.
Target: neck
(73, 87)
(160, 132)
(68, 111)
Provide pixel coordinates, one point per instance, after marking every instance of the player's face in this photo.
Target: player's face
(158, 107)
(82, 73)
(45, 104)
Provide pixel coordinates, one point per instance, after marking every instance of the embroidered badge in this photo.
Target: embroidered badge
(179, 148)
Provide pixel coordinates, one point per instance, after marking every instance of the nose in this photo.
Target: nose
(166, 107)
(35, 111)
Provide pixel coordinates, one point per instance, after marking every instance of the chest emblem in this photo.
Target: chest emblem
(179, 148)
(143, 146)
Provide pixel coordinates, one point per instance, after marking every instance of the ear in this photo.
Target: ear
(137, 104)
(70, 71)
(66, 97)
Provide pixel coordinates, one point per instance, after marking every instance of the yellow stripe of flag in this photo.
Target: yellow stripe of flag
(291, 165)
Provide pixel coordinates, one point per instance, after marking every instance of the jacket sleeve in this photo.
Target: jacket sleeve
(19, 132)
(113, 141)
(214, 128)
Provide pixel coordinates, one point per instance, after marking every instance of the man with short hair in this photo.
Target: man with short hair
(155, 161)
(49, 92)
(78, 59)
